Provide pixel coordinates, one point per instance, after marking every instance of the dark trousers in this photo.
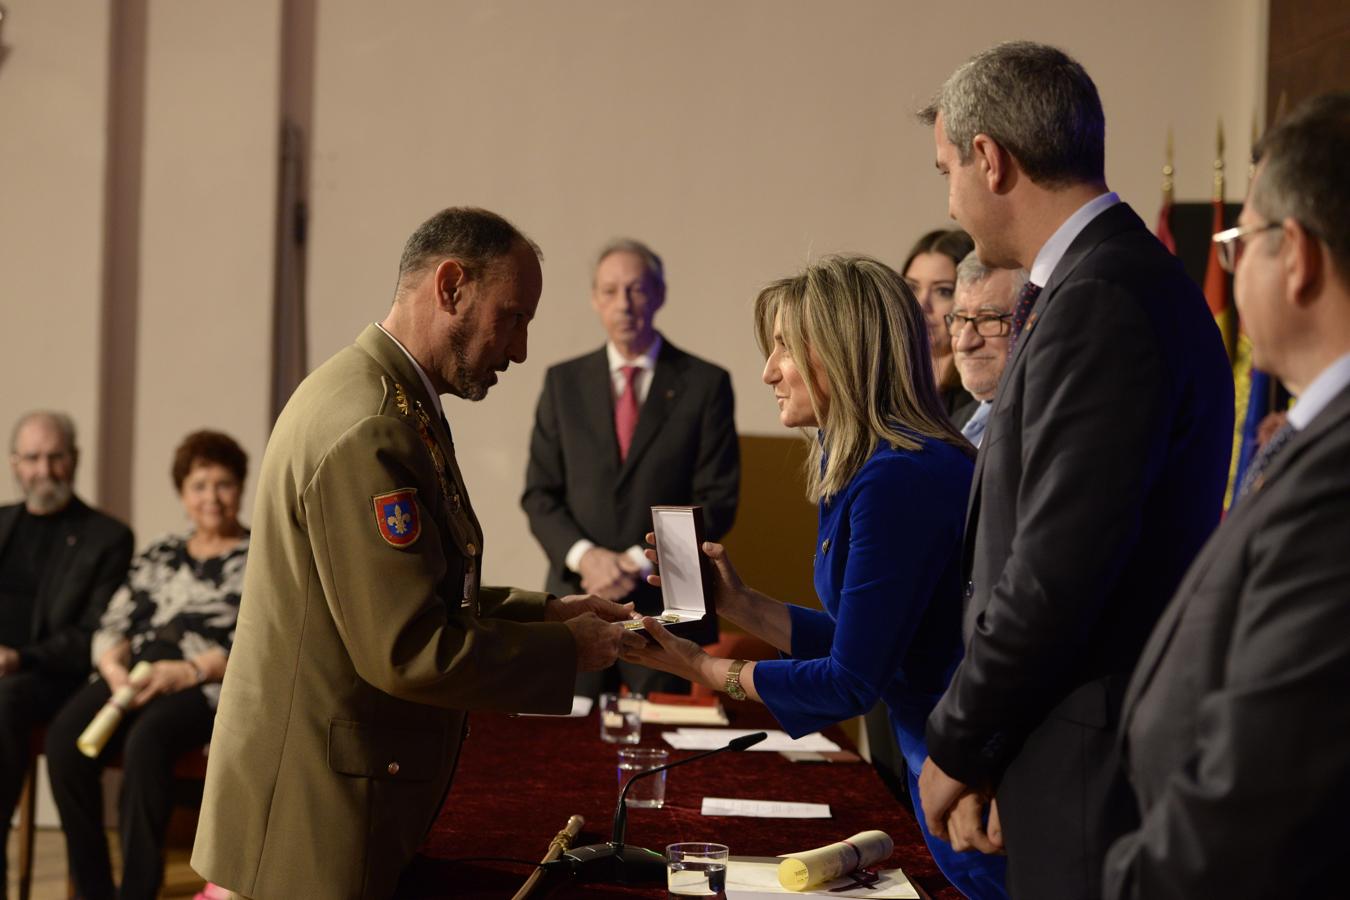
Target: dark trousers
(150, 740)
(27, 700)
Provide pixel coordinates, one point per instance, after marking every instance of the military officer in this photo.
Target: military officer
(364, 634)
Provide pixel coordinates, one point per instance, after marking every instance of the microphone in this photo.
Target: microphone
(617, 863)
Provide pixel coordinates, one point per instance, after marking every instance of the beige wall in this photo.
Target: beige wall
(740, 139)
(53, 85)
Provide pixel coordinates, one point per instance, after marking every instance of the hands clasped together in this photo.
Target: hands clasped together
(955, 812)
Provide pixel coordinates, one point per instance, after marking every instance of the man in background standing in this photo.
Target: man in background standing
(635, 424)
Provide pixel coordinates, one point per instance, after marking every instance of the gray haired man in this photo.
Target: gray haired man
(60, 561)
(1100, 475)
(981, 328)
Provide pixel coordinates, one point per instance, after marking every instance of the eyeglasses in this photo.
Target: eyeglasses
(1230, 242)
(986, 325)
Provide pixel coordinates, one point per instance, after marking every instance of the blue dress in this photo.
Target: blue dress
(887, 571)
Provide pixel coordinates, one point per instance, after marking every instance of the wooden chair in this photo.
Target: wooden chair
(191, 766)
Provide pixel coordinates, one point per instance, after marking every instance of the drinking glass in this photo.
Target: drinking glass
(696, 870)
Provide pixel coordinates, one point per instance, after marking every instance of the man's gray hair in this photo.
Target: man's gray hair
(1036, 102)
(972, 271)
(58, 420)
(1303, 173)
(650, 261)
(475, 237)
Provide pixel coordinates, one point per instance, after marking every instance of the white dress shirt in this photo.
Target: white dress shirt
(1054, 249)
(1324, 388)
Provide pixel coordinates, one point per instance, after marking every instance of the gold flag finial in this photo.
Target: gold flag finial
(1218, 166)
(1168, 171)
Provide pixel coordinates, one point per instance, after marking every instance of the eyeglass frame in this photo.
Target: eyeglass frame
(1004, 319)
(1231, 240)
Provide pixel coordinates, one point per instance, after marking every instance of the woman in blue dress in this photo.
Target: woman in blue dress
(847, 354)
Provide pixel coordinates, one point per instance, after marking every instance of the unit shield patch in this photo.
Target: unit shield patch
(396, 517)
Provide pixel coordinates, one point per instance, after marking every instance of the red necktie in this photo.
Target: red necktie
(626, 411)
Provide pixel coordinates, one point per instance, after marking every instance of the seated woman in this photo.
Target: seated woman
(177, 611)
(848, 355)
(930, 272)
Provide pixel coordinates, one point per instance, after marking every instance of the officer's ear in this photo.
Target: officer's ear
(448, 279)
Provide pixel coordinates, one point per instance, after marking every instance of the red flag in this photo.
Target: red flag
(1165, 226)
(1216, 289)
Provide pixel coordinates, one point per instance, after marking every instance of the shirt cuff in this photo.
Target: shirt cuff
(573, 558)
(636, 554)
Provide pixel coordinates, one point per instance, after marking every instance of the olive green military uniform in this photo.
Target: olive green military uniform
(363, 637)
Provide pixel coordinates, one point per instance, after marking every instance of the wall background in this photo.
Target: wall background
(137, 227)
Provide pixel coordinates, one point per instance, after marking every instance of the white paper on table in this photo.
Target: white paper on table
(756, 878)
(764, 809)
(712, 738)
(682, 714)
(581, 707)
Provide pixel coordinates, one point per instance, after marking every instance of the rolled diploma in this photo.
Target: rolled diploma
(800, 871)
(95, 736)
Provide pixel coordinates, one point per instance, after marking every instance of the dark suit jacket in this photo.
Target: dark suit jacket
(86, 567)
(1236, 724)
(684, 451)
(1100, 477)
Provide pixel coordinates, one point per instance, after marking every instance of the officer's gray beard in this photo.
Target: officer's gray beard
(46, 496)
(465, 382)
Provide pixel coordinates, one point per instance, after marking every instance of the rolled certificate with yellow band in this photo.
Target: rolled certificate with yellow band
(92, 740)
(805, 870)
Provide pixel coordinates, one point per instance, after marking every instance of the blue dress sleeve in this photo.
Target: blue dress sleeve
(905, 520)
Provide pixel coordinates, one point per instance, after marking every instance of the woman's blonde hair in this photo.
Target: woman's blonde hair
(867, 333)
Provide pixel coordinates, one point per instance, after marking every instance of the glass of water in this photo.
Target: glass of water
(649, 792)
(696, 870)
(621, 718)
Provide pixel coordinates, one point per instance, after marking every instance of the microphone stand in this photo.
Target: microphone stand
(617, 863)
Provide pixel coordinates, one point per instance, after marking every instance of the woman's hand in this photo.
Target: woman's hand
(168, 676)
(674, 655)
(728, 589)
(112, 665)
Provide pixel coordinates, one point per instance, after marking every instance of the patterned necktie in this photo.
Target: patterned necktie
(626, 410)
(1026, 299)
(1277, 442)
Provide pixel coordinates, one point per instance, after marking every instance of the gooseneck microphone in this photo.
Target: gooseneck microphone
(617, 863)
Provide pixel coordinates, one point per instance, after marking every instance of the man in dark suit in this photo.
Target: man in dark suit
(60, 562)
(1236, 727)
(1100, 475)
(634, 424)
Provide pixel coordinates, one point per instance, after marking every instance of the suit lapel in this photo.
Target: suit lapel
(1112, 221)
(1337, 414)
(667, 380)
(594, 397)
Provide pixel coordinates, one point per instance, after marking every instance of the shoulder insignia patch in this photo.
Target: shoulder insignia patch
(396, 517)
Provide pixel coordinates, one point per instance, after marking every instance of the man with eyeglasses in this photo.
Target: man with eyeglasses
(980, 324)
(1236, 727)
(60, 561)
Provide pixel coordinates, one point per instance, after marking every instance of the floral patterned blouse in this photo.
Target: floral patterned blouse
(173, 606)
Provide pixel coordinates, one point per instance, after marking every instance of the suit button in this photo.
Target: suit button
(392, 768)
(970, 589)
